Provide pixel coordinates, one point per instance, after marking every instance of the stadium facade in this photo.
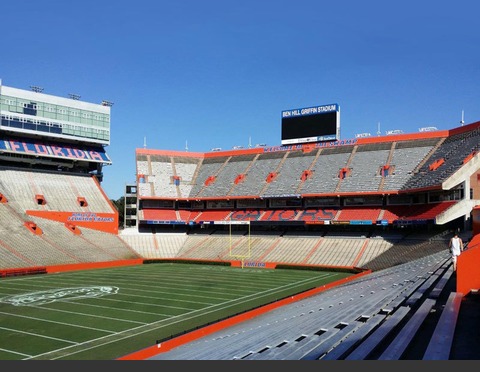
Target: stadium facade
(428, 179)
(52, 154)
(360, 205)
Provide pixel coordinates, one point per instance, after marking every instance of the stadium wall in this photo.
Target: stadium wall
(92, 265)
(468, 273)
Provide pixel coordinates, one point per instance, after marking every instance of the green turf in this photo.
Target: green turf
(62, 316)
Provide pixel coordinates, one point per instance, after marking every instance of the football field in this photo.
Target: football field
(104, 314)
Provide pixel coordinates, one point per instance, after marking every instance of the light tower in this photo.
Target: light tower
(36, 88)
(107, 103)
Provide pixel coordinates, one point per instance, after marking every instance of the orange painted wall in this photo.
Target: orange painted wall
(107, 222)
(468, 271)
(92, 265)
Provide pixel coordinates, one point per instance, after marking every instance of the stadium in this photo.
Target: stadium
(320, 248)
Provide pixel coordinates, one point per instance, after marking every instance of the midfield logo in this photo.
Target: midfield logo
(62, 294)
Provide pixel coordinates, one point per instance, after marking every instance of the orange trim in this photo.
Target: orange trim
(306, 174)
(92, 265)
(3, 199)
(464, 128)
(107, 222)
(263, 265)
(73, 228)
(271, 176)
(469, 157)
(402, 137)
(344, 172)
(309, 147)
(40, 199)
(23, 271)
(360, 254)
(239, 178)
(82, 202)
(215, 154)
(169, 153)
(437, 163)
(468, 275)
(210, 180)
(32, 226)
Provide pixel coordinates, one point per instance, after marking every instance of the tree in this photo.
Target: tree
(120, 205)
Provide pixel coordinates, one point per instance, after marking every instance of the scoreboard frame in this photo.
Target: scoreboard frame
(311, 124)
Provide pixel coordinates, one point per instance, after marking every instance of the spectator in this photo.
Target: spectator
(456, 248)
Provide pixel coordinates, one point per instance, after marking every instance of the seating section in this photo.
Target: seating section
(353, 215)
(225, 180)
(359, 214)
(365, 165)
(340, 249)
(210, 167)
(453, 150)
(185, 169)
(159, 214)
(56, 244)
(406, 157)
(257, 173)
(345, 322)
(289, 174)
(59, 192)
(371, 167)
(155, 246)
(408, 164)
(416, 212)
(324, 178)
(212, 215)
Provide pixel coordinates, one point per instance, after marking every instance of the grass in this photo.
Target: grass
(104, 314)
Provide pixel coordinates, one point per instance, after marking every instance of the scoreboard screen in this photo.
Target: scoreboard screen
(311, 124)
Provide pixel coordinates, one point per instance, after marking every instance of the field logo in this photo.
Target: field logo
(62, 294)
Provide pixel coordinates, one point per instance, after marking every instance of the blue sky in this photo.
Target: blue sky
(218, 73)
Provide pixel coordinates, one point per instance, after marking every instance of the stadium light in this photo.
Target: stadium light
(74, 96)
(107, 103)
(362, 135)
(427, 129)
(394, 131)
(36, 89)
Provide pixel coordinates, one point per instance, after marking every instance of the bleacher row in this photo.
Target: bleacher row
(56, 244)
(373, 167)
(59, 192)
(333, 249)
(372, 317)
(389, 214)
